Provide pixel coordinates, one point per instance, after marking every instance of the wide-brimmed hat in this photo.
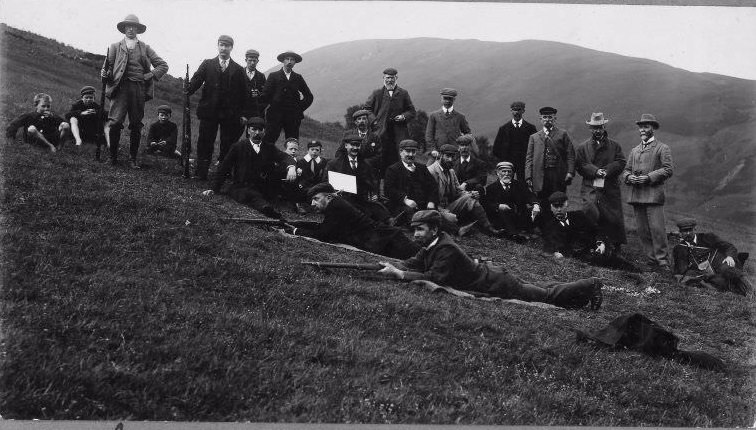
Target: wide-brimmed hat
(647, 118)
(597, 118)
(428, 216)
(281, 56)
(131, 19)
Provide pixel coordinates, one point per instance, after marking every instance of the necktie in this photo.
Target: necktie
(223, 65)
(354, 164)
(312, 165)
(411, 167)
(256, 147)
(517, 125)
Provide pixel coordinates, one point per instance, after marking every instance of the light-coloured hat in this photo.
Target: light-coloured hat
(504, 165)
(647, 118)
(597, 118)
(131, 19)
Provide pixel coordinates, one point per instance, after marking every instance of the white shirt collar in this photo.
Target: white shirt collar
(464, 159)
(288, 75)
(308, 157)
(450, 110)
(505, 184)
(515, 122)
(648, 142)
(432, 244)
(406, 166)
(130, 43)
(220, 61)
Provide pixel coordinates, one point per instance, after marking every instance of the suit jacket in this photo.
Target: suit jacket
(386, 107)
(250, 169)
(371, 149)
(474, 173)
(534, 167)
(418, 185)
(576, 238)
(511, 144)
(448, 185)
(286, 96)
(253, 106)
(222, 92)
(656, 162)
(517, 197)
(308, 178)
(367, 182)
(443, 129)
(723, 250)
(118, 56)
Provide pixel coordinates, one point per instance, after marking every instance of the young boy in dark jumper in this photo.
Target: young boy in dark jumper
(163, 134)
(40, 127)
(86, 119)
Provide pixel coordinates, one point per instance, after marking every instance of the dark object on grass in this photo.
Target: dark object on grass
(357, 266)
(635, 331)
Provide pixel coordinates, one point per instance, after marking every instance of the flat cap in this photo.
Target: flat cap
(164, 109)
(251, 53)
(256, 121)
(427, 216)
(87, 90)
(547, 110)
(226, 39)
(350, 137)
(448, 148)
(323, 187)
(408, 144)
(686, 223)
(517, 105)
(297, 58)
(360, 112)
(465, 139)
(449, 92)
(557, 197)
(504, 165)
(314, 144)
(390, 71)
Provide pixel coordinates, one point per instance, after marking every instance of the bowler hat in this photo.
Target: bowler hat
(164, 109)
(557, 197)
(647, 118)
(517, 105)
(251, 53)
(449, 92)
(131, 19)
(408, 144)
(465, 139)
(297, 57)
(431, 217)
(256, 121)
(226, 39)
(597, 118)
(390, 71)
(360, 113)
(87, 90)
(314, 144)
(686, 224)
(448, 148)
(504, 165)
(547, 110)
(323, 187)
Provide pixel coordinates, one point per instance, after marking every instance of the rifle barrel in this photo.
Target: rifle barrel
(266, 221)
(358, 266)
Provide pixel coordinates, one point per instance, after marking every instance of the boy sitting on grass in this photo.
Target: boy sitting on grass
(163, 134)
(41, 127)
(86, 122)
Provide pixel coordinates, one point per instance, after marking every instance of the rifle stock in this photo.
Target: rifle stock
(356, 266)
(186, 143)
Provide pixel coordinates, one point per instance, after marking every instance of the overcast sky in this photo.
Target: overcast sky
(700, 39)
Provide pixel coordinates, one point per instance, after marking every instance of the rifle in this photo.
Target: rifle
(274, 222)
(103, 116)
(356, 266)
(186, 144)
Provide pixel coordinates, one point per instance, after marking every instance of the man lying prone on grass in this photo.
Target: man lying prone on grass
(441, 261)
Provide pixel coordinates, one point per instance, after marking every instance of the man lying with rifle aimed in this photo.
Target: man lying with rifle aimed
(443, 262)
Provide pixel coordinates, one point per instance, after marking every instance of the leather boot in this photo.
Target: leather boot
(201, 171)
(575, 295)
(135, 137)
(115, 137)
(484, 224)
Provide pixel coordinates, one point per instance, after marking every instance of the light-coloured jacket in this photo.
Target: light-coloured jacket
(118, 55)
(537, 147)
(654, 161)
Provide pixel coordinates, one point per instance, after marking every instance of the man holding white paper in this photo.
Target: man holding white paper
(600, 161)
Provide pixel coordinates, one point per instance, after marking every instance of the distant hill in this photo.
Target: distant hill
(708, 120)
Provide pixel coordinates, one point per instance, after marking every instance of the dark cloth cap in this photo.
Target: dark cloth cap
(428, 216)
(88, 90)
(164, 109)
(323, 187)
(351, 137)
(558, 197)
(517, 105)
(257, 121)
(449, 92)
(251, 53)
(465, 139)
(686, 223)
(548, 110)
(390, 71)
(408, 143)
(647, 118)
(360, 113)
(314, 144)
(226, 39)
(448, 148)
(297, 57)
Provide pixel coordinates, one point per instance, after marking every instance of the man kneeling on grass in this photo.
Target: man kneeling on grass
(41, 127)
(343, 223)
(441, 261)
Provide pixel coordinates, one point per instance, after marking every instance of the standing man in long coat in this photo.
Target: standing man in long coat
(445, 125)
(393, 109)
(288, 96)
(600, 162)
(511, 143)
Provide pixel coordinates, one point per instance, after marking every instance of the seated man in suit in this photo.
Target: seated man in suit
(568, 234)
(509, 204)
(453, 198)
(371, 149)
(343, 223)
(253, 168)
(408, 185)
(471, 171)
(441, 261)
(704, 258)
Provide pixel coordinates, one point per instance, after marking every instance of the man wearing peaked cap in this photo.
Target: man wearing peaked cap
(393, 110)
(288, 96)
(600, 161)
(509, 204)
(446, 124)
(648, 167)
(220, 108)
(511, 143)
(344, 223)
(471, 171)
(443, 262)
(129, 72)
(255, 80)
(371, 149)
(409, 186)
(86, 119)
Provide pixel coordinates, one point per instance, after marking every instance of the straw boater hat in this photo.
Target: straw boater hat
(597, 119)
(131, 19)
(281, 56)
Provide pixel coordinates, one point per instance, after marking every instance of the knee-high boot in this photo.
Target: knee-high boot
(114, 134)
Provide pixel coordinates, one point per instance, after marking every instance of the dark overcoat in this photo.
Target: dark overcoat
(286, 96)
(222, 92)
